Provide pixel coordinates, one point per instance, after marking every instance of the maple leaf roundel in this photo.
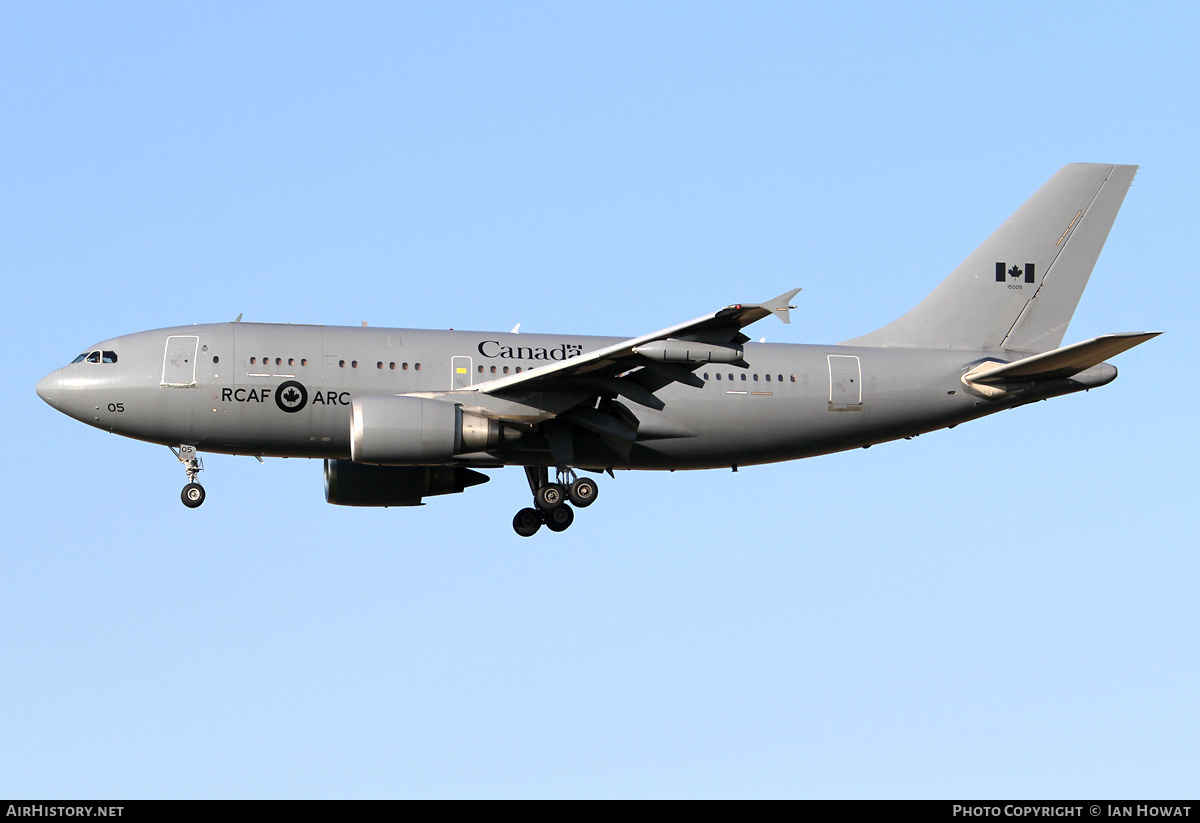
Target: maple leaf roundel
(291, 396)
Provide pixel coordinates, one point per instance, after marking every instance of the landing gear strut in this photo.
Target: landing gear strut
(550, 500)
(193, 493)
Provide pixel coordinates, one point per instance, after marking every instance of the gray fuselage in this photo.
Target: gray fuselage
(286, 390)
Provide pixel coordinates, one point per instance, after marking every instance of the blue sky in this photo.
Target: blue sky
(1005, 609)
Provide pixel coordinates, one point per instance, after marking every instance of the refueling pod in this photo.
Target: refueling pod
(689, 351)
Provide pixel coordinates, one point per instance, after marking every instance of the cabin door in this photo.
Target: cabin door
(845, 383)
(179, 362)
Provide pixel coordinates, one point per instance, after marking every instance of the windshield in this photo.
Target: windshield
(96, 357)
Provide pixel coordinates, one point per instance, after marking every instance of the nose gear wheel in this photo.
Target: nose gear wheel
(192, 495)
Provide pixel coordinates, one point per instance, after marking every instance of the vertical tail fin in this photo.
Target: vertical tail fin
(1019, 289)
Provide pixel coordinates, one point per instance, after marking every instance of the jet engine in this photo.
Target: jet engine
(353, 484)
(400, 430)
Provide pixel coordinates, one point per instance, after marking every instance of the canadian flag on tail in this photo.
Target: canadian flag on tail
(1003, 272)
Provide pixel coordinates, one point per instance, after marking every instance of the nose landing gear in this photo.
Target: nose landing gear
(193, 493)
(550, 500)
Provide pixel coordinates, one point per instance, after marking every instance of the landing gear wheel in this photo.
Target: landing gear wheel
(527, 522)
(550, 497)
(192, 495)
(560, 519)
(583, 492)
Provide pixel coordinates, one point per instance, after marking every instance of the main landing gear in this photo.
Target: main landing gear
(193, 493)
(550, 500)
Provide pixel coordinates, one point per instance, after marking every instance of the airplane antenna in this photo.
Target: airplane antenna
(516, 329)
(238, 319)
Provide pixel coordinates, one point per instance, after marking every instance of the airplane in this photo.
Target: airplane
(399, 415)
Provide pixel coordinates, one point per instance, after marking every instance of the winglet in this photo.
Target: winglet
(780, 305)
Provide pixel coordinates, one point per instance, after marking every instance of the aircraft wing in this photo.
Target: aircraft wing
(656, 359)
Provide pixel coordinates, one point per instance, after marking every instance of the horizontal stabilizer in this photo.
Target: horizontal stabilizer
(1059, 363)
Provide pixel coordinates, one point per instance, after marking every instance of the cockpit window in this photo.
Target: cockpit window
(96, 357)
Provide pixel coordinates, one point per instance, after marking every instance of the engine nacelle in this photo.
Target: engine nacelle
(397, 430)
(354, 484)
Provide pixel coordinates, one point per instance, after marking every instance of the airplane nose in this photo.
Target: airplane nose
(49, 388)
